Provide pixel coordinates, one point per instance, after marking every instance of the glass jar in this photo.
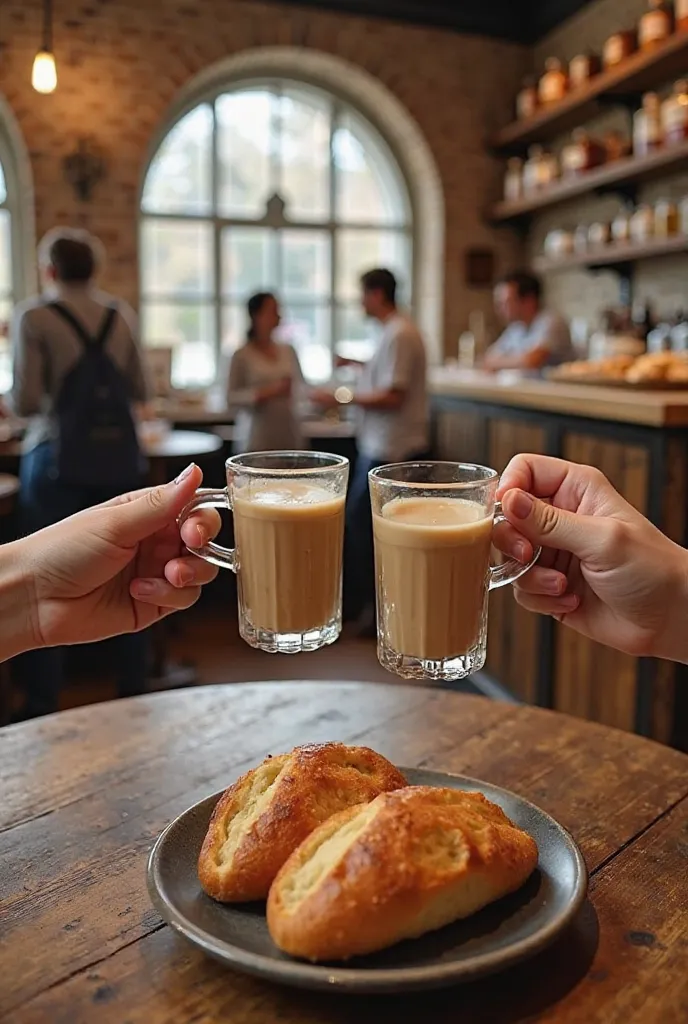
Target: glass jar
(581, 154)
(599, 234)
(683, 216)
(527, 99)
(558, 243)
(647, 125)
(539, 171)
(621, 226)
(675, 114)
(513, 181)
(616, 146)
(655, 26)
(582, 68)
(681, 9)
(643, 224)
(554, 83)
(617, 48)
(666, 218)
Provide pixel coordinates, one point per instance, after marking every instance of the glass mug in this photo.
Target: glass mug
(433, 524)
(288, 510)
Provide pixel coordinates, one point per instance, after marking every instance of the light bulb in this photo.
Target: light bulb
(44, 73)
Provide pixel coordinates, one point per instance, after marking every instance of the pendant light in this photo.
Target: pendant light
(44, 73)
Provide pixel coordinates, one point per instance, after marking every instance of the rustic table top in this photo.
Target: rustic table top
(86, 792)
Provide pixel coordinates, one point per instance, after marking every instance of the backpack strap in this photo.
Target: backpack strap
(100, 338)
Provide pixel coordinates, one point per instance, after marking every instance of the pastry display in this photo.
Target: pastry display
(261, 819)
(408, 863)
(649, 368)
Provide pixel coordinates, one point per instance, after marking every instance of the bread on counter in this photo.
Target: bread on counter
(261, 819)
(408, 863)
(647, 368)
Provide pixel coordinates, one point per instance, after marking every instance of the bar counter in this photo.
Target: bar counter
(639, 439)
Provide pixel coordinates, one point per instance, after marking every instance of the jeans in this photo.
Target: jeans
(44, 500)
(359, 556)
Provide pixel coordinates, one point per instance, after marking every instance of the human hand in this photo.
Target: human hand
(115, 568)
(280, 389)
(605, 570)
(323, 397)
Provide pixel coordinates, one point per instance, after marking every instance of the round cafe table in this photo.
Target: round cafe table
(86, 792)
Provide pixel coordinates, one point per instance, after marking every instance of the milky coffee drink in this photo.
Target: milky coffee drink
(289, 536)
(432, 558)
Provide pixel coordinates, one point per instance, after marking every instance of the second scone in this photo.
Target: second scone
(260, 820)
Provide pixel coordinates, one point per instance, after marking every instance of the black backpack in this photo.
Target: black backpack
(97, 444)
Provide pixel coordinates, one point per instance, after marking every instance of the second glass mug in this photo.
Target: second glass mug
(288, 512)
(433, 525)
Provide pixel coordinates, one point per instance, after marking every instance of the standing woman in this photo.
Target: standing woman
(265, 383)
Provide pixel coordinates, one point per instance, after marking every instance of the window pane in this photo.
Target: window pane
(234, 326)
(177, 258)
(304, 147)
(307, 328)
(359, 250)
(369, 187)
(245, 144)
(248, 261)
(354, 333)
(179, 177)
(3, 186)
(305, 264)
(5, 253)
(190, 330)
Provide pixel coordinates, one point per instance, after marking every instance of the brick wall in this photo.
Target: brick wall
(121, 63)
(578, 293)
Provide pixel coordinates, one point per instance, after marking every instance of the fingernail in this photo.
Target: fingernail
(202, 536)
(186, 575)
(185, 473)
(554, 586)
(521, 551)
(521, 504)
(143, 588)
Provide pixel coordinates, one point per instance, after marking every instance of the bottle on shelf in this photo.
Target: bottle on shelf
(642, 227)
(513, 180)
(527, 99)
(675, 114)
(582, 69)
(666, 219)
(540, 170)
(655, 26)
(642, 319)
(621, 225)
(599, 234)
(647, 125)
(616, 145)
(618, 48)
(581, 154)
(554, 84)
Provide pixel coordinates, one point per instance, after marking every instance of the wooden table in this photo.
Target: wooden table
(86, 792)
(176, 447)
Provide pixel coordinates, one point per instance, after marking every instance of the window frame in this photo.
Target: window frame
(337, 106)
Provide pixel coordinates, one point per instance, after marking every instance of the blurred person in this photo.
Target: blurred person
(78, 372)
(534, 337)
(111, 569)
(393, 426)
(605, 570)
(265, 380)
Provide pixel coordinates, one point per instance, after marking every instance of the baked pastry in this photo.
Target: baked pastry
(405, 864)
(260, 820)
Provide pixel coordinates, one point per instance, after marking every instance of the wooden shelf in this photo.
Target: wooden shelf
(613, 255)
(638, 74)
(629, 171)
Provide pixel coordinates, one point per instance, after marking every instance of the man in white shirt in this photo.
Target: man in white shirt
(393, 426)
(534, 337)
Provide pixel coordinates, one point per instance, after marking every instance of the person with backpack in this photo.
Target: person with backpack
(78, 373)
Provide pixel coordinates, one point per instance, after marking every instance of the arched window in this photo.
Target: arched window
(270, 185)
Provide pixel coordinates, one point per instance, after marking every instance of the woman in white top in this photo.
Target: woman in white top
(265, 380)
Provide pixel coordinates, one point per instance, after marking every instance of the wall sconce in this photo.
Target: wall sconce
(44, 73)
(84, 167)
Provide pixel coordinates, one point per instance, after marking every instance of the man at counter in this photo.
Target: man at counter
(534, 337)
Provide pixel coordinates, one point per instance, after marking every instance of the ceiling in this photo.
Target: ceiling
(522, 21)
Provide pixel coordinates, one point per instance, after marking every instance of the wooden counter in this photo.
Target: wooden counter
(639, 439)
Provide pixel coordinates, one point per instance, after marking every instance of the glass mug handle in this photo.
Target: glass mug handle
(510, 570)
(206, 497)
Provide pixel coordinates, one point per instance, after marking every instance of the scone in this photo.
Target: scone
(405, 864)
(260, 820)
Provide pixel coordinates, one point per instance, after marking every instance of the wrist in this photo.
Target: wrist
(672, 643)
(18, 606)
